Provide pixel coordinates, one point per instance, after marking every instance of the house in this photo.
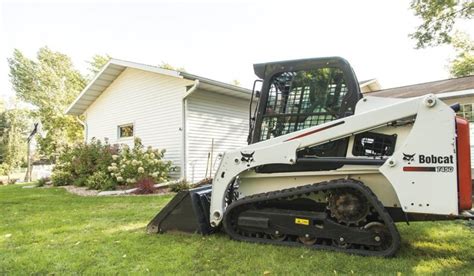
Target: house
(451, 91)
(188, 115)
(369, 85)
(193, 118)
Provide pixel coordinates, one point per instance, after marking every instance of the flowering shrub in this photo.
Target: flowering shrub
(103, 166)
(100, 181)
(61, 178)
(75, 164)
(137, 162)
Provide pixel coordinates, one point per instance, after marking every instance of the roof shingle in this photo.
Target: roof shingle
(434, 87)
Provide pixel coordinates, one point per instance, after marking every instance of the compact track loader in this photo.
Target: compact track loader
(326, 168)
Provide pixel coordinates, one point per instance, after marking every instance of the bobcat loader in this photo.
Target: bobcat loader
(326, 168)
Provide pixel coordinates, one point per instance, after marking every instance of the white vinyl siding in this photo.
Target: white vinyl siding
(151, 102)
(211, 115)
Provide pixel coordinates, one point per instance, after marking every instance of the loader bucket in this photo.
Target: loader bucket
(187, 212)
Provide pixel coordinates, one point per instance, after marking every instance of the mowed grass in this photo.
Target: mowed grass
(51, 231)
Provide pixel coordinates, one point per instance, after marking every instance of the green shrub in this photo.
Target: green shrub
(82, 160)
(137, 162)
(182, 185)
(42, 181)
(80, 181)
(61, 178)
(92, 157)
(100, 181)
(63, 171)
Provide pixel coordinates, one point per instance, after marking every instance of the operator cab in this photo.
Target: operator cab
(299, 94)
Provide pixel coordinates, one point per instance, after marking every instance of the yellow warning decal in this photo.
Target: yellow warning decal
(301, 221)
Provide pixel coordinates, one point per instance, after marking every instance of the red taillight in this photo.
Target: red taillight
(464, 164)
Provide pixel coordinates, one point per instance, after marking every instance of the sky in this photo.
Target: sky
(221, 40)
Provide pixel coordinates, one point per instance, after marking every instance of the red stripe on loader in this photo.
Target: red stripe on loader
(464, 164)
(314, 131)
(419, 169)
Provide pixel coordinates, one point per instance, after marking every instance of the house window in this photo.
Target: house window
(466, 112)
(125, 131)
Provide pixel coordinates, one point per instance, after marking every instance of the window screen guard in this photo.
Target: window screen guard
(302, 99)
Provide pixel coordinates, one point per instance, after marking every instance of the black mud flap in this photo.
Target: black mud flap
(187, 212)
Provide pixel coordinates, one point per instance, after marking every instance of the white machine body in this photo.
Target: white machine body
(420, 176)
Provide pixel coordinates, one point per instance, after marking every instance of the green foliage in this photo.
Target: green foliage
(138, 162)
(50, 83)
(100, 181)
(166, 65)
(14, 124)
(182, 185)
(61, 178)
(236, 82)
(438, 18)
(96, 64)
(63, 171)
(80, 181)
(42, 181)
(83, 160)
(91, 157)
(463, 64)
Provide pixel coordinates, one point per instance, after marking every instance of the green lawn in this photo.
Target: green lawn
(51, 231)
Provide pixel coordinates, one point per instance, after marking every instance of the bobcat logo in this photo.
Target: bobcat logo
(247, 157)
(409, 157)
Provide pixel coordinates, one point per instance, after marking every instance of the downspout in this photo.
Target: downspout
(184, 117)
(84, 127)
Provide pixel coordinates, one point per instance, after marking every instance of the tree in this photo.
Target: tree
(438, 20)
(14, 125)
(96, 64)
(236, 82)
(50, 83)
(167, 66)
(3, 131)
(463, 64)
(439, 17)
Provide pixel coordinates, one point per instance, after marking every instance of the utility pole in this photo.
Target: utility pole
(28, 157)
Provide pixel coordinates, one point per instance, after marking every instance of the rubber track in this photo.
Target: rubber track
(322, 186)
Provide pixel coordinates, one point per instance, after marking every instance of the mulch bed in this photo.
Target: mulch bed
(84, 191)
(80, 191)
